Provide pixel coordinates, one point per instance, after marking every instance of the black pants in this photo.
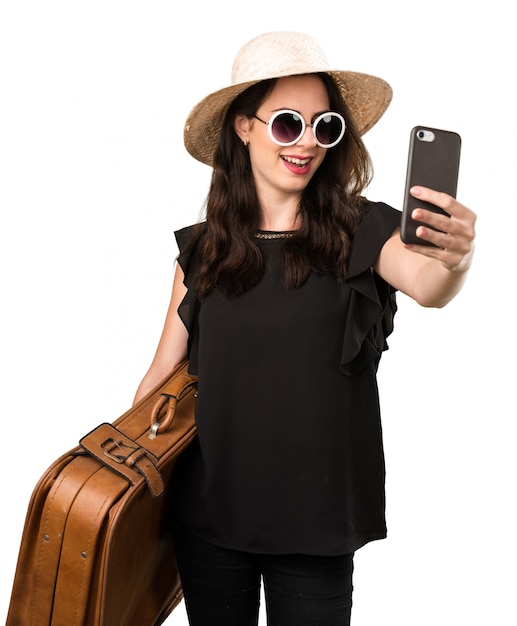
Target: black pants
(222, 587)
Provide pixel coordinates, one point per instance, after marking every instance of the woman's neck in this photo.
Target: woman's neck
(280, 216)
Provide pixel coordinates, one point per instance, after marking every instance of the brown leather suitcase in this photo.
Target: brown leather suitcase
(97, 548)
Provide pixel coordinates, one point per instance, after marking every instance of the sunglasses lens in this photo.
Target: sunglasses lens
(287, 128)
(329, 129)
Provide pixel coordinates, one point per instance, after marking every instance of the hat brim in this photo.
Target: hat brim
(367, 98)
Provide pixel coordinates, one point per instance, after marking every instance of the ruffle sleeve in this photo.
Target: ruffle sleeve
(189, 307)
(372, 304)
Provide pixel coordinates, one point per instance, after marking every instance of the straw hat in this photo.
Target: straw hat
(273, 55)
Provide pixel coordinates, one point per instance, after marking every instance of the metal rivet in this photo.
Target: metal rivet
(84, 554)
(46, 538)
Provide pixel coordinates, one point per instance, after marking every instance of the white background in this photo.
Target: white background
(94, 179)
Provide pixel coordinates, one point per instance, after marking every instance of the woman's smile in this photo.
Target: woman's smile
(297, 164)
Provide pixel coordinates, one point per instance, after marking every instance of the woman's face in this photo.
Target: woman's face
(285, 170)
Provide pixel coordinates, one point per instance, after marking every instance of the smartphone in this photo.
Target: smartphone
(433, 161)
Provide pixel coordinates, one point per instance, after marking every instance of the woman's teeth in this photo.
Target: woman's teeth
(298, 162)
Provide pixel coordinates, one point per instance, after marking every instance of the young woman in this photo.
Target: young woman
(282, 301)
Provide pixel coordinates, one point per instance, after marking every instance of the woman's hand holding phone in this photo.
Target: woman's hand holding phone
(447, 235)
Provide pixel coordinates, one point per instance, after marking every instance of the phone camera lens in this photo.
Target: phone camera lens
(421, 134)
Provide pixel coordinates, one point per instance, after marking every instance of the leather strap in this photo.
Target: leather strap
(38, 599)
(124, 456)
(81, 543)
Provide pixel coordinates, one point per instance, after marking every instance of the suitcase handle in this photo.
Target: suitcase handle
(169, 398)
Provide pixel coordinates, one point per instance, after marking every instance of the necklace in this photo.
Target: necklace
(273, 234)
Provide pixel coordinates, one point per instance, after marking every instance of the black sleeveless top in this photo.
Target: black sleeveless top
(289, 455)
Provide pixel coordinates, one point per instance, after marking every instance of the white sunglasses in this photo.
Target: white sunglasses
(286, 127)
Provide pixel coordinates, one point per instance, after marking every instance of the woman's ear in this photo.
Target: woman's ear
(241, 124)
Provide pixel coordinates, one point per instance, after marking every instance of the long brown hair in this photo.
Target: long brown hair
(229, 259)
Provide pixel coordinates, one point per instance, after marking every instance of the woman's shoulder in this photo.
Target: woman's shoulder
(188, 234)
(378, 215)
(378, 222)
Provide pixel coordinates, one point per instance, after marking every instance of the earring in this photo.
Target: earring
(245, 143)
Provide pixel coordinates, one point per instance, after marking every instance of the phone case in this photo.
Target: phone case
(433, 161)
